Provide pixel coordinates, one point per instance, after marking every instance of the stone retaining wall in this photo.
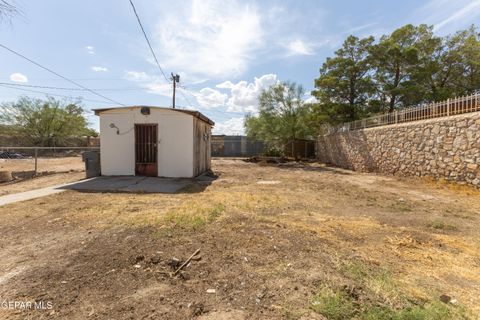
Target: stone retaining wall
(447, 147)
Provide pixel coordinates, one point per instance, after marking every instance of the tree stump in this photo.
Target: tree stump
(5, 176)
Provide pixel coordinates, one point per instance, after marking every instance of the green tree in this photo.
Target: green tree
(450, 67)
(405, 68)
(395, 59)
(282, 115)
(46, 122)
(437, 70)
(345, 85)
(468, 79)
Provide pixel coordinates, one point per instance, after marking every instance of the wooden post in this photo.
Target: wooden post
(36, 161)
(174, 89)
(448, 107)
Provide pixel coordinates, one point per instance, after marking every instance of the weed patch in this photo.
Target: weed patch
(401, 206)
(194, 218)
(338, 305)
(333, 305)
(441, 225)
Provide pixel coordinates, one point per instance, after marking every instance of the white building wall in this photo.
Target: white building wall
(175, 141)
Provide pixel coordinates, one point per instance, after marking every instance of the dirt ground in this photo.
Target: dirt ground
(290, 241)
(51, 171)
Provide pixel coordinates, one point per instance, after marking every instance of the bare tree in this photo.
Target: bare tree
(8, 9)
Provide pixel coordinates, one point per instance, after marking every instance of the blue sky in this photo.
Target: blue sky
(225, 51)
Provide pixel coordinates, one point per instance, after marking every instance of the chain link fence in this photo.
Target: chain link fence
(242, 146)
(27, 162)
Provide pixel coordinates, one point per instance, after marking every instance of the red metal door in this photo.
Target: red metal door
(146, 150)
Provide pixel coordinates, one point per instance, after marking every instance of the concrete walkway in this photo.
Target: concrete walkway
(33, 194)
(133, 184)
(105, 184)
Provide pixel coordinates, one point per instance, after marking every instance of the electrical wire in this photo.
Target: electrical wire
(148, 41)
(62, 88)
(79, 79)
(52, 94)
(158, 64)
(59, 75)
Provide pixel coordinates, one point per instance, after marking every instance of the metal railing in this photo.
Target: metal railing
(449, 107)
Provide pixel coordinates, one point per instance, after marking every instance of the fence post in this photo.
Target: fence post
(36, 161)
(448, 107)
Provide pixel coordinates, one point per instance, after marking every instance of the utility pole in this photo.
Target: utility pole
(175, 78)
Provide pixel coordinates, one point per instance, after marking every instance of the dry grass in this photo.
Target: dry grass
(403, 242)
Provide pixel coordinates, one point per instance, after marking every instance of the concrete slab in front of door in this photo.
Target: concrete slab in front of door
(134, 184)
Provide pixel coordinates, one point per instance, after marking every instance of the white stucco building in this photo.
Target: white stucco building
(154, 141)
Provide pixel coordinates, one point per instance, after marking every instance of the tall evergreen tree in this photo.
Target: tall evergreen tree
(395, 59)
(345, 85)
(468, 79)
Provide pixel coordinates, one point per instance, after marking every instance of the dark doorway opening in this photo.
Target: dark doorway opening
(146, 137)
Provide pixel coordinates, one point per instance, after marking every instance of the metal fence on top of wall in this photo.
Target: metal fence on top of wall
(448, 107)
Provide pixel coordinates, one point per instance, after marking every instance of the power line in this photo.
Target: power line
(156, 60)
(52, 79)
(52, 94)
(184, 96)
(62, 88)
(79, 79)
(148, 41)
(59, 75)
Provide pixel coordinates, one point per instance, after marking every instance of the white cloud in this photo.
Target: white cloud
(210, 38)
(308, 98)
(244, 95)
(137, 76)
(299, 47)
(151, 84)
(90, 49)
(233, 126)
(18, 77)
(210, 98)
(99, 69)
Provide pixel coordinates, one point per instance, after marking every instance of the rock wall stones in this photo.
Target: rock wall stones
(446, 148)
